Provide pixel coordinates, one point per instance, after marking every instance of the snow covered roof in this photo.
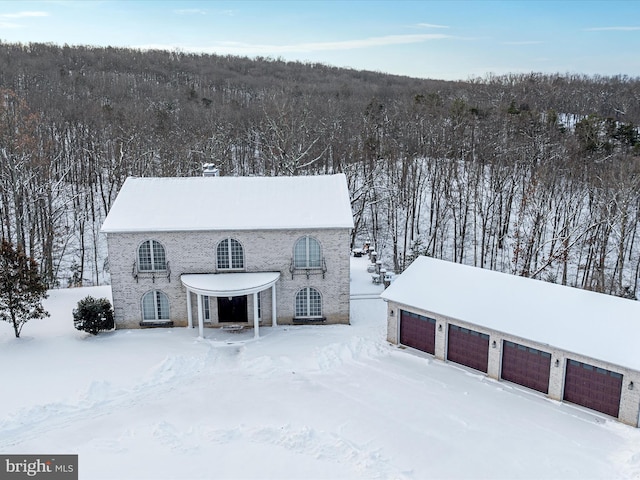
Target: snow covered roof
(599, 326)
(230, 203)
(223, 284)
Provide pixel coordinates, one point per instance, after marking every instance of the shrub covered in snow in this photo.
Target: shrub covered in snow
(93, 315)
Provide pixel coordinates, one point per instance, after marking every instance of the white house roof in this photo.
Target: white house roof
(599, 326)
(230, 203)
(229, 284)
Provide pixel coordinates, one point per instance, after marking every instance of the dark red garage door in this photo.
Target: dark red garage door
(418, 331)
(468, 347)
(526, 366)
(593, 387)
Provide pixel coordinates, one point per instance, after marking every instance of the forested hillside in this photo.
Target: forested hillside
(536, 175)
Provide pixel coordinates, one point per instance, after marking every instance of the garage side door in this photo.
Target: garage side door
(593, 387)
(418, 332)
(468, 347)
(526, 366)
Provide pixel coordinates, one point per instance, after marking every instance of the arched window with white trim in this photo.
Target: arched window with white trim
(308, 303)
(230, 255)
(151, 257)
(155, 306)
(307, 253)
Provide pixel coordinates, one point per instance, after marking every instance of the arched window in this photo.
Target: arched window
(155, 306)
(308, 303)
(307, 253)
(151, 257)
(230, 255)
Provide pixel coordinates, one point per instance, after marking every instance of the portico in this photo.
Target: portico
(229, 285)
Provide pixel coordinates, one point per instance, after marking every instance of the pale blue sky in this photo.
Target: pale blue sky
(428, 39)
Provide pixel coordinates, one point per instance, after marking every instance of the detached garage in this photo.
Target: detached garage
(569, 344)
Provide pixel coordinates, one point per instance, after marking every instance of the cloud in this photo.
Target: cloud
(8, 25)
(610, 29)
(225, 13)
(239, 48)
(524, 42)
(243, 48)
(24, 14)
(199, 11)
(431, 25)
(190, 11)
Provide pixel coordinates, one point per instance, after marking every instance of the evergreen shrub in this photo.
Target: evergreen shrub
(93, 315)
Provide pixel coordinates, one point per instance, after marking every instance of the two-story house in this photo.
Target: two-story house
(230, 250)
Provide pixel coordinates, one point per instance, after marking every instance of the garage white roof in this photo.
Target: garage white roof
(230, 203)
(592, 324)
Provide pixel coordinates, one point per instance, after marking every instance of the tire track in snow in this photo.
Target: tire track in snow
(101, 399)
(316, 444)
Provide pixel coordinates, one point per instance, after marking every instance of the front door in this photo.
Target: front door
(232, 309)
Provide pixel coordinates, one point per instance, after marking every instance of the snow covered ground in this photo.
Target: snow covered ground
(302, 402)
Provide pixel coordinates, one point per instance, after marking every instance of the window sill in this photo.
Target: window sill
(308, 271)
(308, 320)
(156, 323)
(151, 274)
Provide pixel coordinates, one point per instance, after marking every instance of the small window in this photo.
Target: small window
(258, 296)
(151, 257)
(155, 306)
(405, 313)
(307, 253)
(230, 255)
(308, 303)
(206, 308)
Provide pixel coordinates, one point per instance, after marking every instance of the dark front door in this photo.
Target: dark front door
(232, 309)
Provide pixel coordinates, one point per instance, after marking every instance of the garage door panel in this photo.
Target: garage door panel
(468, 347)
(593, 387)
(526, 366)
(417, 331)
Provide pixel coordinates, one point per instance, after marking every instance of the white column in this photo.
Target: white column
(200, 317)
(256, 320)
(189, 312)
(274, 321)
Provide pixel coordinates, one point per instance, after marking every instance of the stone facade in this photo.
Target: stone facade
(630, 398)
(195, 252)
